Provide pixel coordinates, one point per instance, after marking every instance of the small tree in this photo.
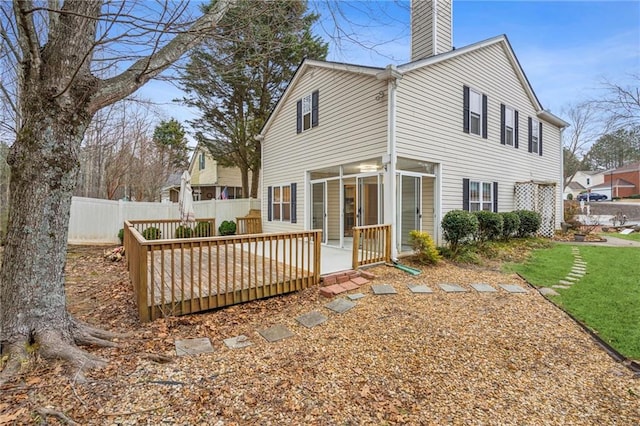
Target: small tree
(424, 247)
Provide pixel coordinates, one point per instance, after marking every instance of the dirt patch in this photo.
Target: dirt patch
(440, 358)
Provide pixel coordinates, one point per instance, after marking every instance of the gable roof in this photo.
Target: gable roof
(632, 167)
(393, 71)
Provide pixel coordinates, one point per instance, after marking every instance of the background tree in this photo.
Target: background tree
(170, 139)
(615, 149)
(583, 129)
(56, 50)
(620, 103)
(236, 78)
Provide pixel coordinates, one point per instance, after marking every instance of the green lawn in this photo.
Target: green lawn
(633, 237)
(607, 298)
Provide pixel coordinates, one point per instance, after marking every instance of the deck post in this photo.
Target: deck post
(143, 306)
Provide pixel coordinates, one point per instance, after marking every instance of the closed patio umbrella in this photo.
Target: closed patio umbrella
(185, 201)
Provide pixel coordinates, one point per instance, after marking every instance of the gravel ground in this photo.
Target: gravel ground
(416, 359)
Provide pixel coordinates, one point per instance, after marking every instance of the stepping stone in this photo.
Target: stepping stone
(419, 288)
(275, 333)
(237, 342)
(355, 296)
(360, 280)
(570, 278)
(340, 305)
(311, 319)
(483, 288)
(575, 275)
(452, 288)
(512, 288)
(580, 263)
(578, 270)
(383, 289)
(201, 345)
(560, 286)
(546, 291)
(563, 282)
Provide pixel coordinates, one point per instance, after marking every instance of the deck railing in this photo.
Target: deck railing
(172, 228)
(371, 244)
(249, 225)
(188, 275)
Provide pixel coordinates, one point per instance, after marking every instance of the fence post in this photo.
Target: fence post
(355, 248)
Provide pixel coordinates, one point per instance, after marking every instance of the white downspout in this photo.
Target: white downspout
(434, 28)
(391, 198)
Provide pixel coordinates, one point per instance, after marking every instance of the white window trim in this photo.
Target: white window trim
(307, 107)
(481, 202)
(535, 136)
(472, 111)
(280, 204)
(509, 113)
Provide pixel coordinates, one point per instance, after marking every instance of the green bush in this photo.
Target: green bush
(489, 225)
(227, 227)
(121, 235)
(152, 233)
(458, 227)
(510, 224)
(425, 249)
(529, 223)
(183, 232)
(203, 229)
(569, 197)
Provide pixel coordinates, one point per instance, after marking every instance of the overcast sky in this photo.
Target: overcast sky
(566, 48)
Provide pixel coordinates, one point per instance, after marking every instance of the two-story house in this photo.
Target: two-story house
(452, 129)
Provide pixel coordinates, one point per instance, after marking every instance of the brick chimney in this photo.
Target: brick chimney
(431, 28)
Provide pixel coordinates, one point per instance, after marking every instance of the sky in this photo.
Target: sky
(566, 48)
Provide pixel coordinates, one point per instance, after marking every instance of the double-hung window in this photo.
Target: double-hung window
(474, 112)
(509, 126)
(281, 202)
(479, 195)
(201, 161)
(307, 112)
(535, 136)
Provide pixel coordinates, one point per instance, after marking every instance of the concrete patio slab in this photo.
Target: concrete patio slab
(355, 296)
(201, 345)
(483, 288)
(311, 319)
(340, 305)
(513, 288)
(419, 288)
(237, 342)
(275, 333)
(383, 289)
(452, 288)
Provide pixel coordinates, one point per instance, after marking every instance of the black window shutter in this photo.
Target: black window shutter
(495, 197)
(540, 139)
(484, 116)
(502, 121)
(299, 117)
(515, 129)
(530, 142)
(465, 194)
(465, 109)
(269, 204)
(294, 203)
(314, 108)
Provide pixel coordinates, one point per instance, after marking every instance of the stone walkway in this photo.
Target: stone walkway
(346, 281)
(578, 270)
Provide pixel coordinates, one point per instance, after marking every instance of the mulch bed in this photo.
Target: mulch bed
(438, 358)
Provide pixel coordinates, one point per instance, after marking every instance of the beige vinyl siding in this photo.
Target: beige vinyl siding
(352, 126)
(421, 30)
(206, 176)
(429, 126)
(444, 41)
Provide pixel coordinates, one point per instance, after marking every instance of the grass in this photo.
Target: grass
(606, 298)
(633, 237)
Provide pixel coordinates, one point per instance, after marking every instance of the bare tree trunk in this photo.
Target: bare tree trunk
(255, 181)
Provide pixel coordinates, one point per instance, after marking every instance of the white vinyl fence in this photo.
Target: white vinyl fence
(96, 221)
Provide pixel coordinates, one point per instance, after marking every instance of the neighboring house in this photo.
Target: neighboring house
(583, 181)
(209, 180)
(624, 181)
(453, 129)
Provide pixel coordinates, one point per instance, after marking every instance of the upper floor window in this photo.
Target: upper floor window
(509, 126)
(201, 161)
(307, 112)
(535, 136)
(474, 112)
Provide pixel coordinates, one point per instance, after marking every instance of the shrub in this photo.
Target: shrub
(529, 222)
(183, 232)
(569, 197)
(489, 225)
(121, 235)
(151, 233)
(203, 229)
(510, 224)
(458, 226)
(425, 249)
(227, 227)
